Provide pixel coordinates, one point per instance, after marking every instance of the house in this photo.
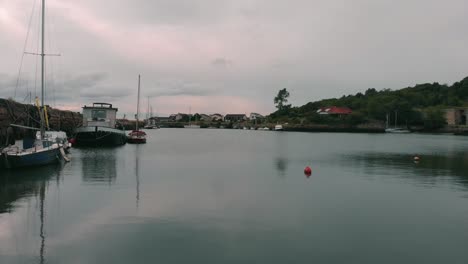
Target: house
(204, 117)
(235, 117)
(256, 116)
(456, 116)
(334, 110)
(178, 117)
(163, 119)
(216, 117)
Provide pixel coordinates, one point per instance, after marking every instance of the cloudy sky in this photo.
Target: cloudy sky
(229, 55)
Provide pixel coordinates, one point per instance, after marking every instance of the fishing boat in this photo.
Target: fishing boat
(137, 136)
(99, 127)
(41, 150)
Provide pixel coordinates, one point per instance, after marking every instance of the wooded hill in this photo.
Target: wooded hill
(421, 105)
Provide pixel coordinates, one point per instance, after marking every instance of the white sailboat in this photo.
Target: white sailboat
(395, 129)
(190, 125)
(137, 136)
(44, 149)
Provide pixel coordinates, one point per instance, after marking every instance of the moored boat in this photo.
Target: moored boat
(40, 150)
(47, 153)
(99, 127)
(137, 136)
(278, 128)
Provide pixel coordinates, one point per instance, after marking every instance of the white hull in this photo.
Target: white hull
(397, 130)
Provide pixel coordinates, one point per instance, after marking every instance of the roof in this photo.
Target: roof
(100, 106)
(334, 110)
(229, 115)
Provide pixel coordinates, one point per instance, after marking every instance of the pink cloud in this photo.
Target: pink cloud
(9, 23)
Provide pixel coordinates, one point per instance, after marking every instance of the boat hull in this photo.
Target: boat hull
(43, 157)
(136, 140)
(136, 137)
(99, 137)
(397, 131)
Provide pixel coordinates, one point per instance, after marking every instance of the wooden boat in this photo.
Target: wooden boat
(137, 136)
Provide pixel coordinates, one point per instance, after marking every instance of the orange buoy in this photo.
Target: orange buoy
(307, 171)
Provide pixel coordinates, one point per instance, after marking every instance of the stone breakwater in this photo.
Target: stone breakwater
(12, 112)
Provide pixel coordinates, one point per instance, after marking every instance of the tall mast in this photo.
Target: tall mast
(147, 110)
(138, 103)
(42, 66)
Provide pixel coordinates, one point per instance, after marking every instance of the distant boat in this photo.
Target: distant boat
(395, 129)
(99, 127)
(266, 128)
(150, 122)
(35, 151)
(278, 128)
(190, 125)
(137, 136)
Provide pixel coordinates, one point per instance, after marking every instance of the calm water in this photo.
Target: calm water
(233, 196)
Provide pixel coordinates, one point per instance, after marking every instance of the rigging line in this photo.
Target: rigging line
(24, 47)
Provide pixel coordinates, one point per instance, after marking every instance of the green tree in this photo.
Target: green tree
(281, 99)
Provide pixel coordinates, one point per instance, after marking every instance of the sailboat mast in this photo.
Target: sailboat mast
(396, 118)
(138, 103)
(42, 65)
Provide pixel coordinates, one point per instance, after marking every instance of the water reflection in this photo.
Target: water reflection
(428, 169)
(19, 184)
(281, 160)
(137, 173)
(99, 165)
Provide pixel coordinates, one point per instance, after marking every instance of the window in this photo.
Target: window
(99, 115)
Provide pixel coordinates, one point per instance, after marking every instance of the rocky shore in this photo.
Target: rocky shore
(12, 112)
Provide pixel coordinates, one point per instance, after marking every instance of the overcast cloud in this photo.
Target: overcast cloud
(230, 55)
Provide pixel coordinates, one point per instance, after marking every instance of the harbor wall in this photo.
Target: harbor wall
(12, 112)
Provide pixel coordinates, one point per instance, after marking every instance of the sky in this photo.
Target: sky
(227, 56)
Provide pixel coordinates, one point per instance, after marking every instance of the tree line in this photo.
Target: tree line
(421, 105)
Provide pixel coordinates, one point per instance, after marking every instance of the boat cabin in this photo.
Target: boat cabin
(100, 114)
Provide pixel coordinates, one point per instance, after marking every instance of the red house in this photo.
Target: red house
(334, 110)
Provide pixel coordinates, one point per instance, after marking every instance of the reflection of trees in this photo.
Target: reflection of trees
(429, 168)
(99, 165)
(281, 161)
(281, 165)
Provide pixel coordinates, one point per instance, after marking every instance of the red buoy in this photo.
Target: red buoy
(308, 171)
(72, 141)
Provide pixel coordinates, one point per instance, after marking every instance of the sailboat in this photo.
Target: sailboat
(137, 136)
(44, 149)
(150, 121)
(395, 129)
(190, 125)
